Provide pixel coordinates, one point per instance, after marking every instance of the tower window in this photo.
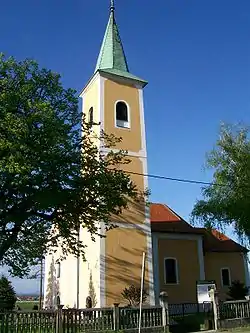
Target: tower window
(225, 277)
(58, 269)
(122, 115)
(91, 116)
(170, 271)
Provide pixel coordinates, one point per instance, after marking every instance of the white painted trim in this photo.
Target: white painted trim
(128, 114)
(103, 229)
(122, 80)
(142, 119)
(102, 268)
(201, 259)
(247, 277)
(101, 101)
(129, 225)
(143, 159)
(141, 154)
(176, 272)
(229, 275)
(89, 84)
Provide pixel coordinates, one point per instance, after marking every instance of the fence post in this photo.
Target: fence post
(213, 296)
(116, 317)
(59, 327)
(165, 310)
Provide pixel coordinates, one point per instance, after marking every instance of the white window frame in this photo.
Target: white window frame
(176, 271)
(229, 275)
(128, 109)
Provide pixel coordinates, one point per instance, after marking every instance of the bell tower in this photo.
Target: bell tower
(113, 97)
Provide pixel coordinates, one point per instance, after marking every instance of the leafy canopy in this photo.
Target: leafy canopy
(228, 202)
(52, 175)
(7, 295)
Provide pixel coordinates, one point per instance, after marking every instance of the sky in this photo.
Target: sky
(194, 53)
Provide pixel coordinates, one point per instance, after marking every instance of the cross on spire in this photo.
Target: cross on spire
(112, 5)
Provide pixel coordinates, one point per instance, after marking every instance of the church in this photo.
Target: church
(177, 254)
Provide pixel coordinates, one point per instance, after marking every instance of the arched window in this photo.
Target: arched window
(91, 116)
(58, 269)
(122, 115)
(170, 271)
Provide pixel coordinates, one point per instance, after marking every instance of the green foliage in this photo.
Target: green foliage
(228, 202)
(238, 291)
(53, 288)
(7, 295)
(132, 294)
(51, 176)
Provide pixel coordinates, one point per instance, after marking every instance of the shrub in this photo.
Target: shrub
(7, 295)
(132, 294)
(238, 290)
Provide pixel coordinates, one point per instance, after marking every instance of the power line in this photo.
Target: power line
(180, 180)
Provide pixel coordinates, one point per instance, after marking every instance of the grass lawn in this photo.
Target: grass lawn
(26, 305)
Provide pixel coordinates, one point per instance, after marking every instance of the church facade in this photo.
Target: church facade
(176, 254)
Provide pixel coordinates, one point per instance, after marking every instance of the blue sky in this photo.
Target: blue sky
(194, 53)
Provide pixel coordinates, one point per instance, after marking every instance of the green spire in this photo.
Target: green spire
(112, 59)
(112, 55)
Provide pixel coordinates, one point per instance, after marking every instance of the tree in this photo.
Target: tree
(53, 288)
(238, 291)
(132, 294)
(7, 295)
(92, 292)
(227, 200)
(52, 174)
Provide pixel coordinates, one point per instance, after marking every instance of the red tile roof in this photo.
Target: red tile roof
(164, 219)
(215, 241)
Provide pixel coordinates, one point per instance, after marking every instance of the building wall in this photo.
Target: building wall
(124, 249)
(59, 285)
(214, 261)
(187, 250)
(126, 244)
(113, 92)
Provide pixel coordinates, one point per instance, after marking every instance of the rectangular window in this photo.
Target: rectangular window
(58, 270)
(170, 267)
(225, 277)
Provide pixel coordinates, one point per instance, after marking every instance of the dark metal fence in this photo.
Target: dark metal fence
(190, 317)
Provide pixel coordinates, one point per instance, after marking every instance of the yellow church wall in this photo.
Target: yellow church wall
(188, 269)
(91, 100)
(135, 213)
(215, 261)
(123, 249)
(113, 92)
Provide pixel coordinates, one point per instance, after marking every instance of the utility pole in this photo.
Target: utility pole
(41, 284)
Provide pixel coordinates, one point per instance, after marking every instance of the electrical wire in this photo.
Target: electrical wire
(180, 180)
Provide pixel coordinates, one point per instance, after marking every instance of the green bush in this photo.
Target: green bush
(7, 295)
(238, 291)
(132, 294)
